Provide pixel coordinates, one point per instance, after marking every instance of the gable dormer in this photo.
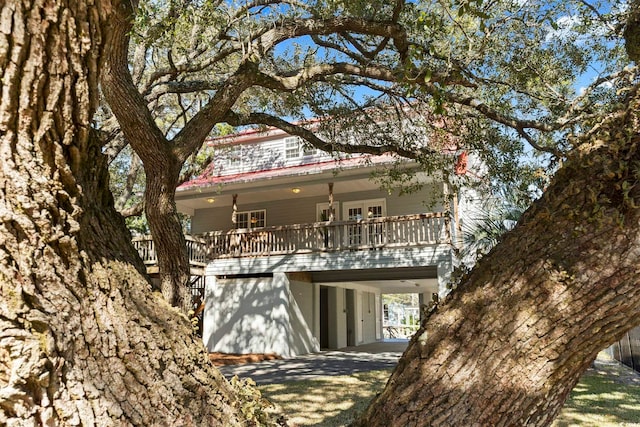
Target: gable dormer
(268, 150)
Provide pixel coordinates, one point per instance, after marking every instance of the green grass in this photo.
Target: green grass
(327, 401)
(608, 396)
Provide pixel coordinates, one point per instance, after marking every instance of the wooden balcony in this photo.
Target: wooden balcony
(366, 234)
(196, 248)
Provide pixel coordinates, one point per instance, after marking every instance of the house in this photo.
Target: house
(300, 246)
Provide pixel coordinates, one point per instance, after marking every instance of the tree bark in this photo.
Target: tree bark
(166, 229)
(161, 165)
(510, 342)
(84, 341)
(162, 158)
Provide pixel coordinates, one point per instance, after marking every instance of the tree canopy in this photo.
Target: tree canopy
(537, 71)
(513, 82)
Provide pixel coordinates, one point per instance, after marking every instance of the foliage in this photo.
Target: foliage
(496, 216)
(257, 410)
(506, 81)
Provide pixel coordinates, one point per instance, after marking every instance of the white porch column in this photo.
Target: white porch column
(332, 213)
(444, 268)
(316, 312)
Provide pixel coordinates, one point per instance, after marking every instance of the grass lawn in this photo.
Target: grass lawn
(607, 396)
(328, 401)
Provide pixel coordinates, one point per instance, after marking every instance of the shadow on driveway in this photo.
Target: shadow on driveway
(368, 357)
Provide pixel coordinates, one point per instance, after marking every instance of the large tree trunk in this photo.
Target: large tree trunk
(83, 340)
(166, 229)
(161, 164)
(510, 342)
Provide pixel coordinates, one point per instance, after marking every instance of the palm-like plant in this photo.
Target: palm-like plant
(497, 216)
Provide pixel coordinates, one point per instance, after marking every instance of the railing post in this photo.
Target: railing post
(447, 227)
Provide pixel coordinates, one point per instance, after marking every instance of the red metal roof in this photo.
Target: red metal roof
(206, 180)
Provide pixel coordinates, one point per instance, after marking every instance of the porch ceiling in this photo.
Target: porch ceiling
(279, 188)
(258, 192)
(387, 280)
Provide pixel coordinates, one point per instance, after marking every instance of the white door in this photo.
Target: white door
(364, 234)
(354, 232)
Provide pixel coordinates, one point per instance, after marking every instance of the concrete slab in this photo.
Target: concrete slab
(368, 357)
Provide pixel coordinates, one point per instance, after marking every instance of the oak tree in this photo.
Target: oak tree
(497, 78)
(84, 340)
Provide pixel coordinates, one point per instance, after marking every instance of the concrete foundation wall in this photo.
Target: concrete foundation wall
(301, 315)
(303, 293)
(281, 313)
(255, 315)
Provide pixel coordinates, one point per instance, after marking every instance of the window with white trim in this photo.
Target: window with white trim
(292, 147)
(308, 150)
(251, 219)
(235, 156)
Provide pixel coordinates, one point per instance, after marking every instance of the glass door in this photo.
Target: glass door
(354, 232)
(375, 232)
(364, 234)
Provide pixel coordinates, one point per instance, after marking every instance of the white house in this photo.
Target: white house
(299, 246)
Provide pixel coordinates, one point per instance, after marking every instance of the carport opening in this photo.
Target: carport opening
(400, 315)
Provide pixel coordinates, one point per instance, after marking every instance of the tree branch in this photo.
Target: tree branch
(135, 210)
(130, 108)
(313, 139)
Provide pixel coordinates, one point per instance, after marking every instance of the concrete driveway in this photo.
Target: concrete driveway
(368, 357)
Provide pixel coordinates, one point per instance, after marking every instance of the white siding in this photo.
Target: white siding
(303, 293)
(263, 155)
(303, 210)
(255, 315)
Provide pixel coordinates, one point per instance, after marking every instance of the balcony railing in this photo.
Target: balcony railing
(196, 249)
(375, 233)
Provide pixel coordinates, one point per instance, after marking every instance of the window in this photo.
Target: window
(364, 209)
(374, 211)
(309, 150)
(235, 156)
(291, 148)
(251, 219)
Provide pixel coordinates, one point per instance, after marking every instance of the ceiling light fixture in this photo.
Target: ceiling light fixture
(211, 200)
(295, 190)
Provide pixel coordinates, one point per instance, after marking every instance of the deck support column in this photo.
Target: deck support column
(234, 213)
(210, 310)
(331, 212)
(444, 268)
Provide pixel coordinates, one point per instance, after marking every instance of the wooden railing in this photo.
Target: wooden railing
(329, 236)
(385, 232)
(196, 249)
